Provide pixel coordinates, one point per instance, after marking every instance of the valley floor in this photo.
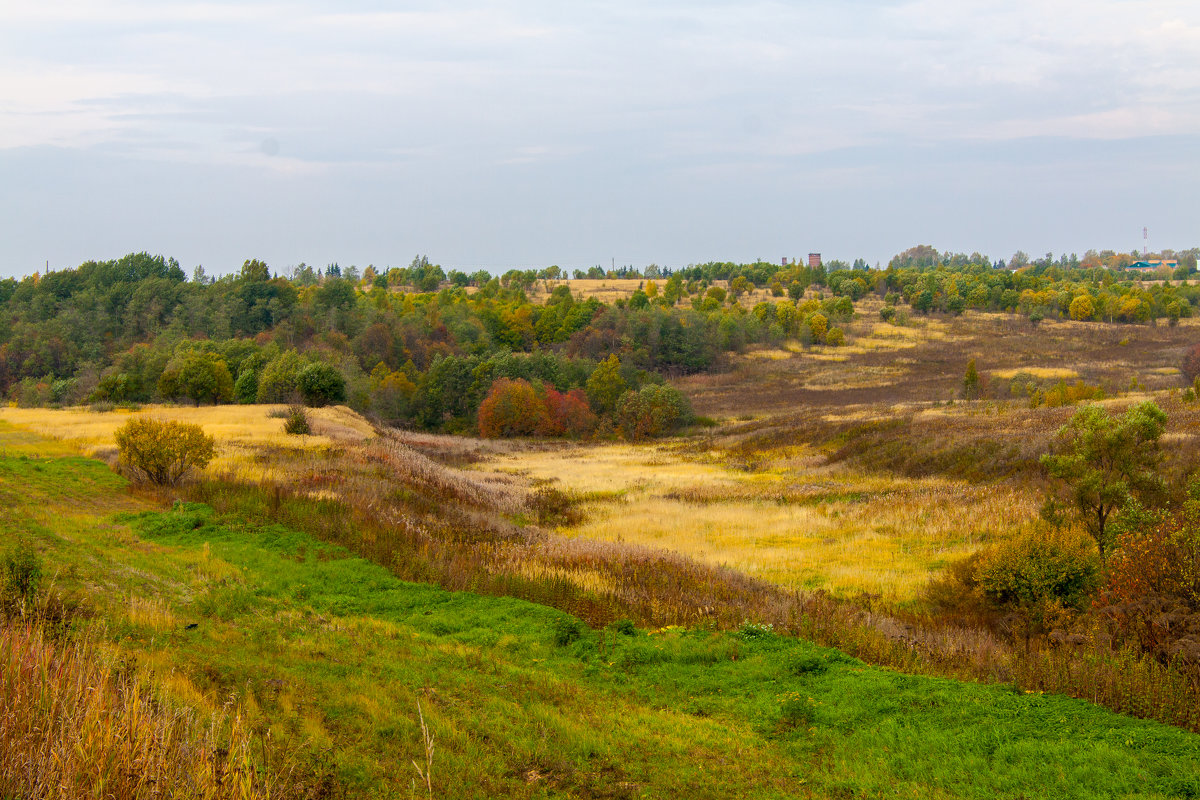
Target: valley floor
(334, 662)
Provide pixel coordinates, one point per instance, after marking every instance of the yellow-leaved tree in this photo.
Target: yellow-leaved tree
(162, 451)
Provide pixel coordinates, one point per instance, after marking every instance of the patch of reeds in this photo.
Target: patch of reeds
(74, 723)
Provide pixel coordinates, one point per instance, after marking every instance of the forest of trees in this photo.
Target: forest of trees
(423, 347)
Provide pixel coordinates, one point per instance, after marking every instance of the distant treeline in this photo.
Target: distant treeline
(410, 346)
(422, 347)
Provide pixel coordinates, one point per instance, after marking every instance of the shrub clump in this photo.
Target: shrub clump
(1039, 568)
(554, 507)
(1190, 366)
(625, 627)
(1043, 578)
(20, 578)
(515, 407)
(567, 630)
(512, 408)
(652, 411)
(796, 712)
(162, 452)
(1152, 588)
(295, 422)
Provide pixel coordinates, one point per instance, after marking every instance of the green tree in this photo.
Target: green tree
(279, 381)
(255, 270)
(971, 381)
(1103, 462)
(653, 411)
(320, 384)
(200, 377)
(605, 385)
(245, 388)
(162, 452)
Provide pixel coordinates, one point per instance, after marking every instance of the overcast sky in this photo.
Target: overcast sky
(501, 134)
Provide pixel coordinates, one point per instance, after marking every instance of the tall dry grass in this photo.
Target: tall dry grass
(793, 520)
(73, 725)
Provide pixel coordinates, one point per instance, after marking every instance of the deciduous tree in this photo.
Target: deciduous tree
(1103, 461)
(511, 408)
(971, 381)
(1191, 363)
(1082, 308)
(162, 452)
(605, 385)
(200, 377)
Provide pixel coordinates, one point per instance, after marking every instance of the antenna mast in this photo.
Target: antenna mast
(1145, 240)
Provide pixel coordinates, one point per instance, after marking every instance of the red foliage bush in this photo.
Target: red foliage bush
(1190, 367)
(1152, 594)
(568, 414)
(511, 408)
(517, 408)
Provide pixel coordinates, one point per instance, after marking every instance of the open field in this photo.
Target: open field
(609, 290)
(331, 667)
(849, 469)
(923, 362)
(795, 521)
(798, 523)
(856, 470)
(243, 433)
(833, 471)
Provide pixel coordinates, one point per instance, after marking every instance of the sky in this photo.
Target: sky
(501, 135)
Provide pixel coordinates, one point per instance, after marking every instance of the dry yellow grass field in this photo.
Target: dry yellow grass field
(609, 290)
(606, 290)
(1043, 373)
(241, 432)
(796, 523)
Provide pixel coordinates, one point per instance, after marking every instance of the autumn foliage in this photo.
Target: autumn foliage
(517, 408)
(511, 408)
(1191, 363)
(1152, 593)
(162, 452)
(568, 414)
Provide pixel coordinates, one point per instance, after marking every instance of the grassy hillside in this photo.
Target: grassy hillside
(331, 662)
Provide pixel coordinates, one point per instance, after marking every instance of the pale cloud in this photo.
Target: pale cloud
(597, 102)
(56, 104)
(859, 71)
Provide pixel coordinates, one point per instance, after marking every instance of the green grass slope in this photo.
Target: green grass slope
(331, 655)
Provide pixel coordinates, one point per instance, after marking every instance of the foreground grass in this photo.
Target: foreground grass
(327, 657)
